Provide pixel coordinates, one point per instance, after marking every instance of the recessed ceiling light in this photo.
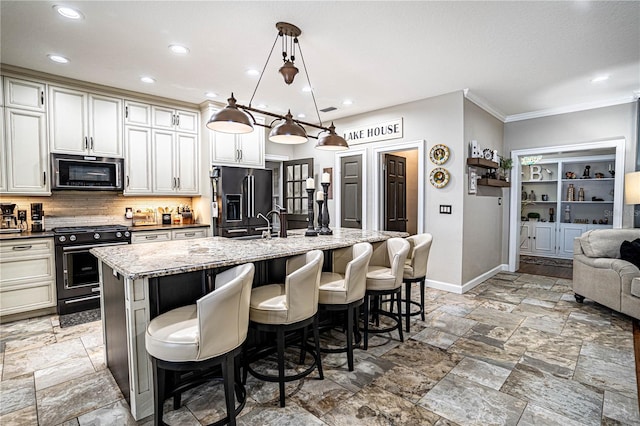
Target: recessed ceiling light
(253, 72)
(600, 79)
(211, 94)
(306, 89)
(59, 59)
(68, 12)
(347, 102)
(302, 115)
(179, 49)
(148, 80)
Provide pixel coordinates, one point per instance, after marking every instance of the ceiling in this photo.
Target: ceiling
(515, 58)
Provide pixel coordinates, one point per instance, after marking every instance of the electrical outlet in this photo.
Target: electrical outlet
(445, 209)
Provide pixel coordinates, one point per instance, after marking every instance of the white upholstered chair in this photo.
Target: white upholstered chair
(344, 288)
(415, 271)
(384, 278)
(201, 336)
(288, 306)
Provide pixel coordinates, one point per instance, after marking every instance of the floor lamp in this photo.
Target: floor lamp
(632, 192)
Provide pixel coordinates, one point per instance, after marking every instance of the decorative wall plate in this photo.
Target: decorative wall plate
(439, 154)
(439, 177)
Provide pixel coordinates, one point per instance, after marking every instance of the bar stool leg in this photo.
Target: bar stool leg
(351, 312)
(422, 284)
(280, 343)
(399, 316)
(407, 296)
(228, 377)
(366, 322)
(303, 347)
(316, 338)
(158, 396)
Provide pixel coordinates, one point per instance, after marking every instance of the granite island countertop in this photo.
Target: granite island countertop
(179, 256)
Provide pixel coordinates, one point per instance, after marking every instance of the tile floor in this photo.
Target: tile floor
(516, 350)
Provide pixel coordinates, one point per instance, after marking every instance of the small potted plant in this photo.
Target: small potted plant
(533, 216)
(505, 165)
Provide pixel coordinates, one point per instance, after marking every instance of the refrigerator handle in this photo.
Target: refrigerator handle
(252, 195)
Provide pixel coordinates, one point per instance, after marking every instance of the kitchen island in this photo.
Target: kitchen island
(139, 282)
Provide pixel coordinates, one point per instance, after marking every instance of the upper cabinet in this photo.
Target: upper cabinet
(84, 123)
(24, 94)
(161, 150)
(172, 119)
(244, 150)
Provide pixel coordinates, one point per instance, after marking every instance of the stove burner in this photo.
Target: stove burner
(89, 228)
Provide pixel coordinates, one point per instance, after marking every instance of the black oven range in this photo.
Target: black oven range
(77, 280)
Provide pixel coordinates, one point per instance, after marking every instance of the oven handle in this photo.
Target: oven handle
(81, 299)
(90, 246)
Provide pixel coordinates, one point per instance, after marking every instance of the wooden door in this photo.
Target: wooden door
(295, 200)
(395, 197)
(351, 190)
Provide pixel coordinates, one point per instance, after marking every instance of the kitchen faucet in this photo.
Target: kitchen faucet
(267, 233)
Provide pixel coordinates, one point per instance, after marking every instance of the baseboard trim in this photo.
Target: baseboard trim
(455, 288)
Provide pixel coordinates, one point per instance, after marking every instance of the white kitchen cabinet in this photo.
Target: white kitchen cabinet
(137, 114)
(188, 233)
(174, 119)
(24, 94)
(174, 163)
(244, 150)
(84, 123)
(537, 238)
(3, 154)
(25, 152)
(138, 172)
(138, 237)
(27, 275)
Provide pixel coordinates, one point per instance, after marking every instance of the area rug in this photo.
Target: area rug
(78, 318)
(547, 261)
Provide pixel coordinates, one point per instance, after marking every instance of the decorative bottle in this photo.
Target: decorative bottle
(571, 193)
(581, 194)
(532, 196)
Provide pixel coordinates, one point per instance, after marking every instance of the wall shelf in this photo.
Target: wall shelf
(481, 162)
(493, 182)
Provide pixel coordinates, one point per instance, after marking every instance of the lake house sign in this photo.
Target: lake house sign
(374, 132)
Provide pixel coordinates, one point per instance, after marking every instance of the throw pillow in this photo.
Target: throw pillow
(630, 251)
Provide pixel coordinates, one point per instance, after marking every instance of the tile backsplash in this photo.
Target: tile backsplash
(78, 207)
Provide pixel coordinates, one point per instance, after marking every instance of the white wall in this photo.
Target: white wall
(485, 220)
(579, 127)
(437, 120)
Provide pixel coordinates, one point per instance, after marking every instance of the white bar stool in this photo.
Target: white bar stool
(415, 271)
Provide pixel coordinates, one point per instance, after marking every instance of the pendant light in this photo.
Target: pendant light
(235, 118)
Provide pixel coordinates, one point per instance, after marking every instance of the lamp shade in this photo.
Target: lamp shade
(331, 141)
(230, 119)
(632, 188)
(288, 132)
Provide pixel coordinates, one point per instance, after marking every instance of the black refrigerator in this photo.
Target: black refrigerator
(239, 194)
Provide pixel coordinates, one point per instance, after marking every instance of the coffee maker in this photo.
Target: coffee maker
(9, 220)
(37, 217)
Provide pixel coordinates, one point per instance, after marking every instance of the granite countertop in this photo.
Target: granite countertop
(179, 256)
(49, 233)
(25, 234)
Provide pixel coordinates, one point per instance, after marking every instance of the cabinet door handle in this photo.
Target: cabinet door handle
(126, 112)
(21, 248)
(91, 142)
(86, 142)
(178, 185)
(44, 178)
(151, 237)
(174, 183)
(127, 181)
(173, 119)
(177, 119)
(42, 97)
(240, 153)
(189, 234)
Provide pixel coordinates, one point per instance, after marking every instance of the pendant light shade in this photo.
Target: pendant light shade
(288, 132)
(332, 141)
(288, 71)
(230, 119)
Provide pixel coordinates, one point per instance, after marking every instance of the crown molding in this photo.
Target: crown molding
(569, 108)
(484, 104)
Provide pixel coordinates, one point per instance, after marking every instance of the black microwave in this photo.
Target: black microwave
(85, 172)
